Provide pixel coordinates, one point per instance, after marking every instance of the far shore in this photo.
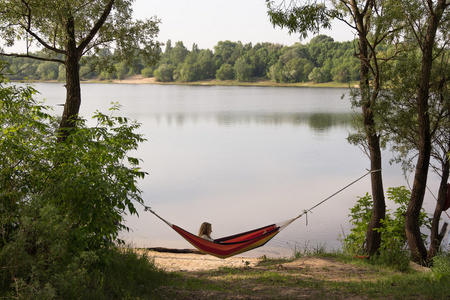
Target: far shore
(139, 79)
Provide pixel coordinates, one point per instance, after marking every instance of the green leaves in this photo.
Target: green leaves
(393, 229)
(302, 19)
(89, 178)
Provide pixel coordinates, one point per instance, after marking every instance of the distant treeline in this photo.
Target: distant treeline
(320, 60)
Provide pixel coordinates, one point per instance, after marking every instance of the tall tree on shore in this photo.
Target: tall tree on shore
(374, 23)
(402, 126)
(74, 29)
(426, 20)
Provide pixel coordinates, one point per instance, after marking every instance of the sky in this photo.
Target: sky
(206, 22)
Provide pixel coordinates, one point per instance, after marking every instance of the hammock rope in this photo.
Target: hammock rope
(306, 211)
(235, 244)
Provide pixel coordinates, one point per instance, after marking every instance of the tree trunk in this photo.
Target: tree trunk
(412, 228)
(373, 237)
(73, 90)
(435, 237)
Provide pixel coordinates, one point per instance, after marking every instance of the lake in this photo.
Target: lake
(240, 158)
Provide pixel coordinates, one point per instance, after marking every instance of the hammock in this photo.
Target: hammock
(242, 242)
(230, 245)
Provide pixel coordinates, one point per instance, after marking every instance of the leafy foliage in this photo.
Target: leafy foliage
(98, 26)
(321, 60)
(302, 18)
(393, 244)
(61, 204)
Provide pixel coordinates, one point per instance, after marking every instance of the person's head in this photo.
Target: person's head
(205, 229)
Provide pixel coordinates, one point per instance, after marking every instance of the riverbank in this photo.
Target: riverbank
(191, 262)
(139, 79)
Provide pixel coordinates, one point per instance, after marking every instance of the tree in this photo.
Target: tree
(428, 22)
(319, 75)
(178, 53)
(374, 22)
(186, 73)
(205, 64)
(226, 72)
(164, 73)
(243, 70)
(227, 51)
(74, 29)
(401, 118)
(48, 70)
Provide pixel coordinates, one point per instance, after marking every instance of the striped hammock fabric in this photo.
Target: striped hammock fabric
(231, 245)
(246, 241)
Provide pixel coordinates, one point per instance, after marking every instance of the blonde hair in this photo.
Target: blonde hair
(205, 229)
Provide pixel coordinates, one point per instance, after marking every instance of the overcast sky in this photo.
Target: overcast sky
(206, 22)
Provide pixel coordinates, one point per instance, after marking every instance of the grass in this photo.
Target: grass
(270, 281)
(128, 275)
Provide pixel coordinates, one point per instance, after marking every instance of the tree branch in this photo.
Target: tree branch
(27, 29)
(96, 27)
(33, 57)
(87, 49)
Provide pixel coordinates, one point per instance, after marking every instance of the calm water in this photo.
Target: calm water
(240, 158)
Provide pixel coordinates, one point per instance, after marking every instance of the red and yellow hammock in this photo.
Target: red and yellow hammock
(230, 245)
(238, 243)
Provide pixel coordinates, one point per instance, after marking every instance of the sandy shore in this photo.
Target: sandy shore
(139, 79)
(196, 262)
(136, 79)
(190, 262)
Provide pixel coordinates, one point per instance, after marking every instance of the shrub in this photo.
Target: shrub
(393, 248)
(243, 70)
(225, 72)
(164, 73)
(147, 72)
(61, 204)
(441, 267)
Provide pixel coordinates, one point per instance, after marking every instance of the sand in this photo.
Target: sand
(196, 262)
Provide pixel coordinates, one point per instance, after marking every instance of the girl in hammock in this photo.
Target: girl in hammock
(205, 231)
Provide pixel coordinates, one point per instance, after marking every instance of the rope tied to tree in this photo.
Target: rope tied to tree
(306, 211)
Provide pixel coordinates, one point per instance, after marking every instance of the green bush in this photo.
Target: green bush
(393, 248)
(441, 267)
(61, 204)
(225, 72)
(164, 73)
(147, 72)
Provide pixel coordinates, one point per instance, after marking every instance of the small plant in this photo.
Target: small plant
(393, 248)
(441, 267)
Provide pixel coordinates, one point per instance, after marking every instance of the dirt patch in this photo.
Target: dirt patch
(328, 269)
(254, 278)
(205, 276)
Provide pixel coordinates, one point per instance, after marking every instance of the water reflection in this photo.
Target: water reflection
(319, 122)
